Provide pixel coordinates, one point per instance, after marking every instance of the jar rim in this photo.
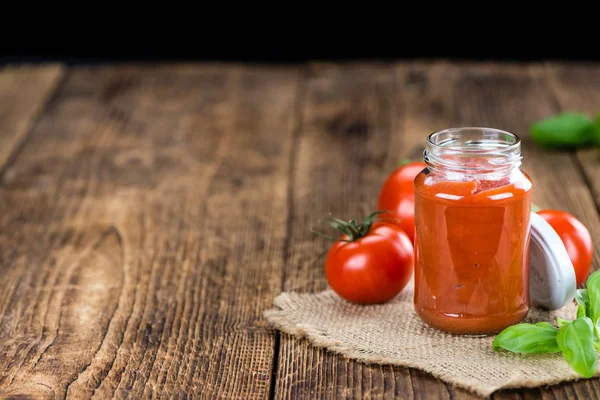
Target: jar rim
(514, 145)
(473, 150)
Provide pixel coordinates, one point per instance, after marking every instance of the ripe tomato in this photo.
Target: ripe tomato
(398, 195)
(576, 238)
(372, 265)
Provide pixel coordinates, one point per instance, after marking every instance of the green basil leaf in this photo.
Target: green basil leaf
(576, 341)
(592, 277)
(564, 130)
(593, 292)
(562, 322)
(597, 128)
(528, 338)
(545, 325)
(582, 298)
(580, 311)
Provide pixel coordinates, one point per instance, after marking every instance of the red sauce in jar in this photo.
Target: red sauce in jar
(471, 248)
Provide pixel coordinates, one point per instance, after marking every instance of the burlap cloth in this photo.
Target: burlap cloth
(392, 333)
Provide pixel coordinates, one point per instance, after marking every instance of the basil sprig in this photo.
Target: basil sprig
(577, 340)
(567, 130)
(593, 295)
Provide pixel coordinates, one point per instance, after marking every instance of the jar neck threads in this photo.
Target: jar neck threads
(473, 151)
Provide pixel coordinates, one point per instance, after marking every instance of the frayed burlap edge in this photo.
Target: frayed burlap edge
(282, 321)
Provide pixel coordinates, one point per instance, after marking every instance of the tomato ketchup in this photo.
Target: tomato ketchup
(472, 210)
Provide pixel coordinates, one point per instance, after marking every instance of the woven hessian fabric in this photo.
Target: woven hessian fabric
(392, 333)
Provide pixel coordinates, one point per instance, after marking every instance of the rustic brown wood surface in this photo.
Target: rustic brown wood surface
(150, 214)
(23, 90)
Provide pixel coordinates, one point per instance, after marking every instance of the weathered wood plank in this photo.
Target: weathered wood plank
(577, 88)
(574, 390)
(347, 145)
(507, 97)
(23, 91)
(142, 235)
(147, 215)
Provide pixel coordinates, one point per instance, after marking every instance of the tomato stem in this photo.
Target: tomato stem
(351, 228)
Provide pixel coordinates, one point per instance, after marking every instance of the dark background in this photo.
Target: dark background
(272, 44)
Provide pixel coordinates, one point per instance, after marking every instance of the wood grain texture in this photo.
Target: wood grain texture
(346, 146)
(508, 97)
(143, 233)
(577, 88)
(151, 214)
(23, 92)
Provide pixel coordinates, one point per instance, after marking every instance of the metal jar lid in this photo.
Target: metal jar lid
(552, 282)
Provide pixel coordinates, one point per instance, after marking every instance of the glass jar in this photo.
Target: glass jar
(472, 210)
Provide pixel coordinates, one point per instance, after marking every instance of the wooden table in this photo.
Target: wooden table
(151, 213)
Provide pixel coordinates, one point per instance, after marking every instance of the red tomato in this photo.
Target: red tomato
(398, 195)
(576, 238)
(373, 268)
